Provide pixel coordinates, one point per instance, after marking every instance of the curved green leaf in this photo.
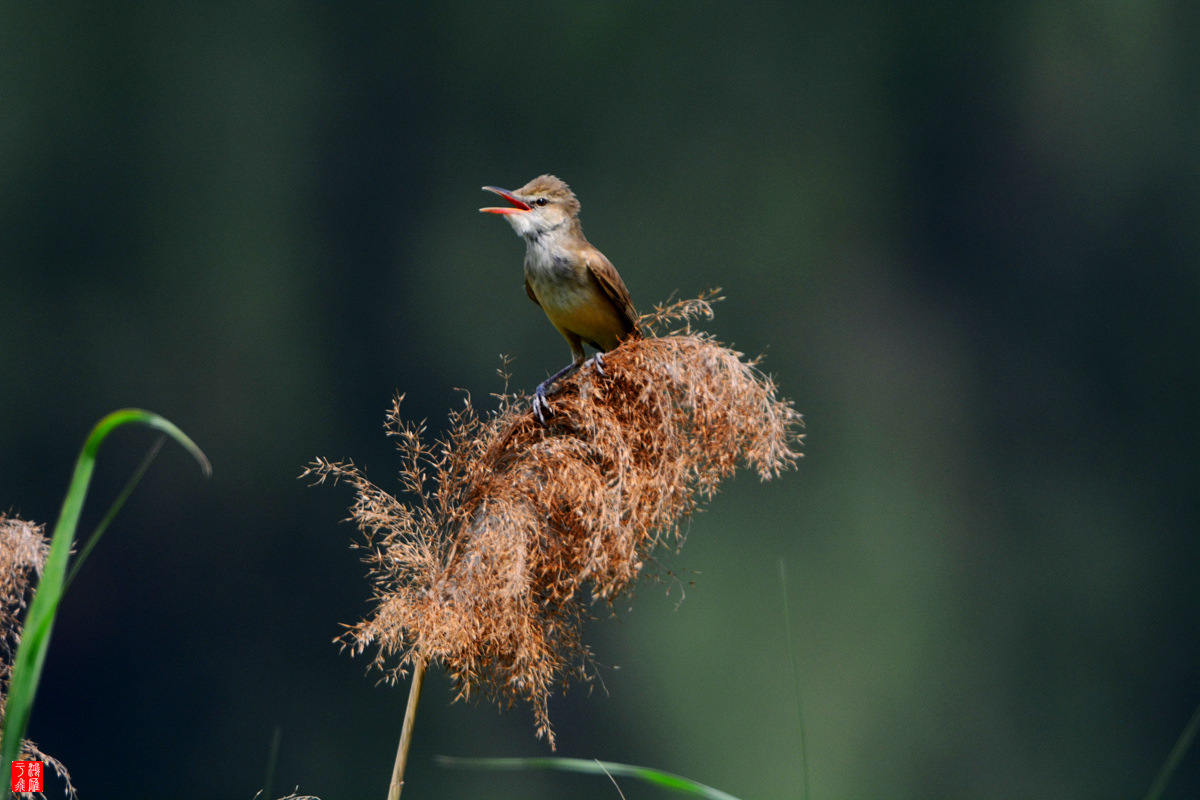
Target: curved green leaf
(39, 622)
(654, 776)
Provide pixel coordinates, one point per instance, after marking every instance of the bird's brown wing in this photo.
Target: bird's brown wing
(610, 283)
(532, 296)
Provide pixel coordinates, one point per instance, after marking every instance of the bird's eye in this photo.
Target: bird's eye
(541, 201)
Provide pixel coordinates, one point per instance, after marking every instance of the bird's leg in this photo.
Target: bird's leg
(540, 406)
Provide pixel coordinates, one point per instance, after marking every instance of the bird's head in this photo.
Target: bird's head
(540, 206)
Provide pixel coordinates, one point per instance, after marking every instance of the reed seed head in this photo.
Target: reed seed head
(510, 529)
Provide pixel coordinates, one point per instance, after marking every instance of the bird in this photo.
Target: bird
(574, 283)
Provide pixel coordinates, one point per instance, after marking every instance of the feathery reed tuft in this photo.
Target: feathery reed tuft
(515, 526)
(23, 551)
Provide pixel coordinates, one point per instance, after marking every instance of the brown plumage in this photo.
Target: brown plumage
(574, 283)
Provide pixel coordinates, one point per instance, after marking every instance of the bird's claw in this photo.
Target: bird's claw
(540, 405)
(598, 362)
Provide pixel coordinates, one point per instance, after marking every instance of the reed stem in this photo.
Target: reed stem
(410, 716)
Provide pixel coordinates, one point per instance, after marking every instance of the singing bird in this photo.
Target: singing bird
(577, 287)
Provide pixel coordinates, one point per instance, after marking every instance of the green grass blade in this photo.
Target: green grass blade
(272, 760)
(1177, 752)
(39, 622)
(652, 776)
(133, 481)
(787, 631)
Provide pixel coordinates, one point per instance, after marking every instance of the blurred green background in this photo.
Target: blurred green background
(966, 236)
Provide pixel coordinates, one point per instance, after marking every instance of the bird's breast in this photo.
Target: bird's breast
(571, 297)
(558, 278)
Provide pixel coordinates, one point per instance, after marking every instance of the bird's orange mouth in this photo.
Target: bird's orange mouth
(518, 206)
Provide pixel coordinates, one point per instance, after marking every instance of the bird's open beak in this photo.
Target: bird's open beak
(519, 206)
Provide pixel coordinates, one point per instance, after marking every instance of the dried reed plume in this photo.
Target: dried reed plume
(23, 551)
(484, 570)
